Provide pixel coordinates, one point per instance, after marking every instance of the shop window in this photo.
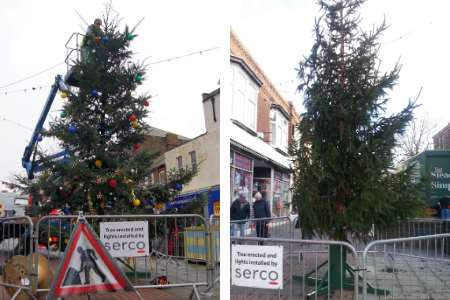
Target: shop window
(244, 97)
(279, 129)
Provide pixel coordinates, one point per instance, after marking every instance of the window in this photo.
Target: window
(193, 156)
(244, 97)
(162, 176)
(179, 162)
(279, 129)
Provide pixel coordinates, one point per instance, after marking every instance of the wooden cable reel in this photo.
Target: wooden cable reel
(17, 272)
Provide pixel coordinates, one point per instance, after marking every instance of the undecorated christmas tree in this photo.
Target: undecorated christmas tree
(101, 126)
(345, 181)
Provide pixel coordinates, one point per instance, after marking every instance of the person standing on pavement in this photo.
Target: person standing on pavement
(261, 210)
(239, 213)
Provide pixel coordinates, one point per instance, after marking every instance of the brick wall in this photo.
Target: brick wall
(441, 140)
(267, 96)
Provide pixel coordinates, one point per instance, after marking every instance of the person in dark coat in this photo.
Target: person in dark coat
(261, 210)
(239, 213)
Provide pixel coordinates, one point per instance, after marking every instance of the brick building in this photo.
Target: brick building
(159, 141)
(441, 140)
(262, 127)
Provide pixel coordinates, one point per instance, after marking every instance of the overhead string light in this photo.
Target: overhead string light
(166, 60)
(30, 89)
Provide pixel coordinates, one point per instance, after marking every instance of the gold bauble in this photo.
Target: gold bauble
(135, 124)
(64, 95)
(136, 202)
(98, 163)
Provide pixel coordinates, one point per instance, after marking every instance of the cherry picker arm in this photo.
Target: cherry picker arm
(28, 160)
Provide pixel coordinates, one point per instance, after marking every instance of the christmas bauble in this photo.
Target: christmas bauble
(146, 103)
(132, 118)
(135, 124)
(130, 37)
(112, 183)
(136, 147)
(64, 95)
(98, 163)
(178, 186)
(138, 77)
(97, 39)
(72, 129)
(95, 93)
(105, 39)
(63, 114)
(136, 202)
(39, 138)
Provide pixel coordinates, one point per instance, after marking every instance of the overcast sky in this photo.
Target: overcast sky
(33, 37)
(279, 33)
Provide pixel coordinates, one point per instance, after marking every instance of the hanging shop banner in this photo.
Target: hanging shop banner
(125, 239)
(257, 266)
(87, 267)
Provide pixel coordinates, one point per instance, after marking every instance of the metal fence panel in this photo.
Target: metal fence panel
(277, 227)
(304, 270)
(15, 259)
(180, 248)
(407, 268)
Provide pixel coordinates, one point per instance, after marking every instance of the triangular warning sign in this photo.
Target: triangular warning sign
(87, 267)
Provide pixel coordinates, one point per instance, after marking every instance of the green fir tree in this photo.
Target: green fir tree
(102, 127)
(345, 180)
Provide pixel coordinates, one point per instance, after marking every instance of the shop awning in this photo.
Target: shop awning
(256, 146)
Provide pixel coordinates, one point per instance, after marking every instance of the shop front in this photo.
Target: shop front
(241, 176)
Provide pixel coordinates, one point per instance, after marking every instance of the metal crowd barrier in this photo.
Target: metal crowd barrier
(280, 227)
(180, 249)
(15, 259)
(305, 270)
(407, 268)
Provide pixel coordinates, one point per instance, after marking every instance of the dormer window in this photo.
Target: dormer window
(244, 97)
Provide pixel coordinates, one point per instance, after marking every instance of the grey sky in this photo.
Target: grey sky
(279, 33)
(33, 38)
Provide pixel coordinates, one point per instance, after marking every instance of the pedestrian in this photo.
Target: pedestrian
(239, 213)
(261, 210)
(444, 208)
(92, 38)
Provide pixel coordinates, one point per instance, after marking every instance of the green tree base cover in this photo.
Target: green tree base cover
(343, 163)
(102, 127)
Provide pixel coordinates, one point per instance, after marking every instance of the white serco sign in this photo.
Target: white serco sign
(257, 266)
(125, 239)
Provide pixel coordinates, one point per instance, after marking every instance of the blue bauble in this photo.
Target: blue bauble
(72, 129)
(39, 138)
(94, 93)
(178, 186)
(105, 39)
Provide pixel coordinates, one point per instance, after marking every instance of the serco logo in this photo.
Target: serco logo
(271, 276)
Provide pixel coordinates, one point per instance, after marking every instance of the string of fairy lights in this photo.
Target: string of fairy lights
(40, 87)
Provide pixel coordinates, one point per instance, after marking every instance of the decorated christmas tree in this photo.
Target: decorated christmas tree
(101, 127)
(345, 180)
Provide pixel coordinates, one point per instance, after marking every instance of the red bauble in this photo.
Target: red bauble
(146, 103)
(136, 147)
(132, 118)
(112, 183)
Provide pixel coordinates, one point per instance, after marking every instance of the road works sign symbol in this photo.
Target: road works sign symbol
(87, 267)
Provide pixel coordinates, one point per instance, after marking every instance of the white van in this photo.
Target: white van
(12, 204)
